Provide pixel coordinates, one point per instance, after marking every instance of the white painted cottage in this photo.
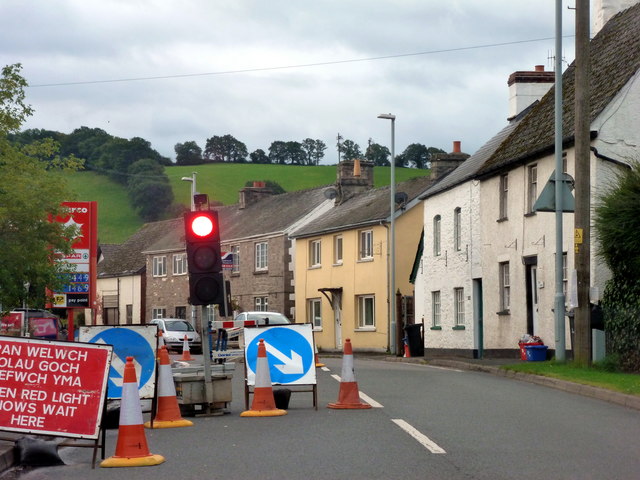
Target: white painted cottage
(487, 272)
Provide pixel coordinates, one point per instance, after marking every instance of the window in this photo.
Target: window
(261, 256)
(160, 266)
(504, 196)
(159, 312)
(235, 251)
(337, 250)
(261, 304)
(435, 309)
(532, 187)
(366, 244)
(458, 296)
(314, 312)
(436, 235)
(366, 311)
(505, 283)
(181, 312)
(180, 264)
(315, 248)
(457, 229)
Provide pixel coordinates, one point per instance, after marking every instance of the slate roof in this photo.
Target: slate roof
(615, 58)
(128, 258)
(366, 208)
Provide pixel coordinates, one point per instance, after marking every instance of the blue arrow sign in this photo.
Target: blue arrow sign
(289, 351)
(126, 343)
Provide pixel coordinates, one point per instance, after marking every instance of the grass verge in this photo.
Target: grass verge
(628, 383)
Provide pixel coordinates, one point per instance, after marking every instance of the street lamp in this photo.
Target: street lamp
(392, 240)
(192, 179)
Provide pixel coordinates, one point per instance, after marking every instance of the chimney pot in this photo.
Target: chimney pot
(539, 68)
(456, 146)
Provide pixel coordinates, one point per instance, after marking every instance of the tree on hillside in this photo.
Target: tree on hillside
(314, 150)
(188, 153)
(278, 152)
(149, 189)
(31, 191)
(225, 149)
(378, 154)
(295, 154)
(85, 143)
(616, 223)
(258, 156)
(349, 150)
(417, 155)
(118, 154)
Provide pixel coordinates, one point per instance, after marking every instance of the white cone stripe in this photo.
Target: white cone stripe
(263, 379)
(166, 388)
(347, 369)
(130, 409)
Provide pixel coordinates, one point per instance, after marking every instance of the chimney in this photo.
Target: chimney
(444, 163)
(354, 176)
(603, 10)
(527, 87)
(251, 195)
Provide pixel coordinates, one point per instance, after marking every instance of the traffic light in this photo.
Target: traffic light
(202, 238)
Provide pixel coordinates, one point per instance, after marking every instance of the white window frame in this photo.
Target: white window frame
(458, 306)
(315, 253)
(366, 312)
(504, 196)
(158, 312)
(262, 256)
(337, 250)
(437, 226)
(532, 186)
(457, 229)
(235, 252)
(160, 266)
(261, 304)
(436, 309)
(505, 286)
(179, 263)
(314, 312)
(365, 244)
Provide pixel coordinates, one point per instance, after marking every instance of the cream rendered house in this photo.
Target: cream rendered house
(342, 264)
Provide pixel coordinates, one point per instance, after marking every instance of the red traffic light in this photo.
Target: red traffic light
(202, 225)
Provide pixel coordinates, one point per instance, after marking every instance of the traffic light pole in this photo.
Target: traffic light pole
(206, 358)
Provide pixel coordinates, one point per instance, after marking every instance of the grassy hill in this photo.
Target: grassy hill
(117, 221)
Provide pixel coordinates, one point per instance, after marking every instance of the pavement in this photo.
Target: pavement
(491, 366)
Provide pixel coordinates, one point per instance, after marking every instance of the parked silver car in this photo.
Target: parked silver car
(261, 319)
(174, 330)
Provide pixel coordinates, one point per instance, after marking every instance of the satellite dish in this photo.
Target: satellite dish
(330, 193)
(401, 197)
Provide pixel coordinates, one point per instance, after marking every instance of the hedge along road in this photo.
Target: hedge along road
(487, 427)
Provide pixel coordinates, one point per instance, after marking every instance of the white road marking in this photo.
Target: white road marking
(326, 369)
(363, 395)
(422, 439)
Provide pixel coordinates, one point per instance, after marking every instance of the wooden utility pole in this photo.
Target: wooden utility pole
(582, 217)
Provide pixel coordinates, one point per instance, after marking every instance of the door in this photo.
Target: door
(534, 297)
(478, 318)
(337, 315)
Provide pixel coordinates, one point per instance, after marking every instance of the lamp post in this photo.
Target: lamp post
(392, 239)
(192, 179)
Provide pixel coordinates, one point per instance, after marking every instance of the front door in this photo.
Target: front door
(534, 297)
(337, 315)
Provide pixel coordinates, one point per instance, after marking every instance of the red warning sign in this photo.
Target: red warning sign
(52, 388)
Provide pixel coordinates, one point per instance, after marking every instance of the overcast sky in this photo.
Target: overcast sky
(174, 71)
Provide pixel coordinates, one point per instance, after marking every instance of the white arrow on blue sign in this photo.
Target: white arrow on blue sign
(289, 351)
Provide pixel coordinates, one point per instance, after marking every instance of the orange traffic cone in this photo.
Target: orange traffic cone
(407, 352)
(349, 395)
(264, 404)
(186, 353)
(131, 447)
(318, 363)
(168, 410)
